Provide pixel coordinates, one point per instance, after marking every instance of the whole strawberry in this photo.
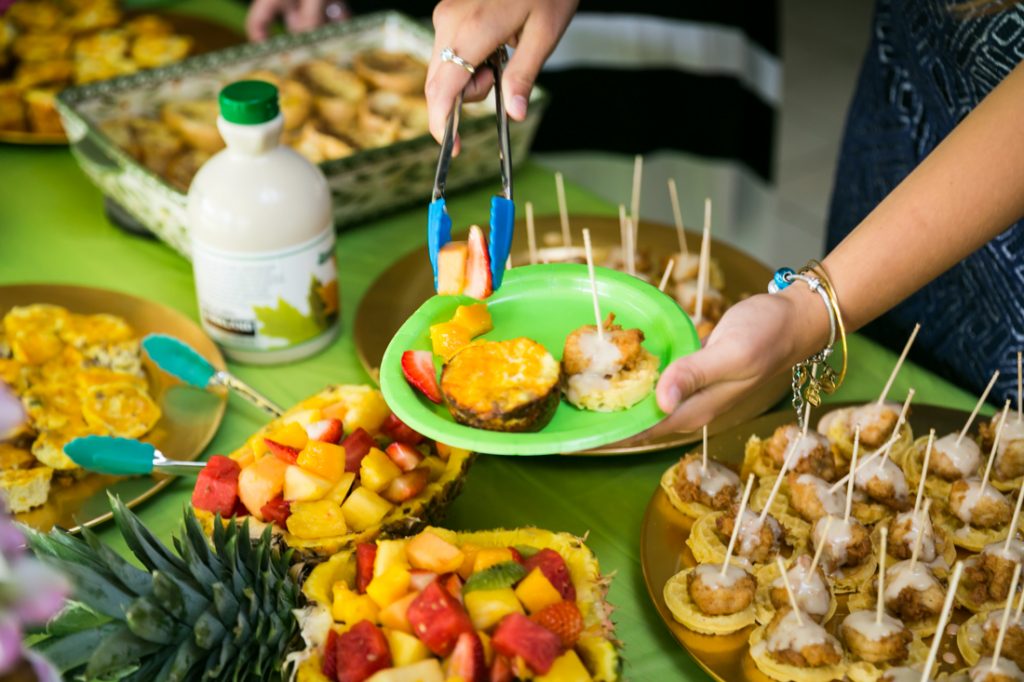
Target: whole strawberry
(564, 619)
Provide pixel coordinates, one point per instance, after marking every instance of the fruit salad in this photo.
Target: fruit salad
(337, 469)
(490, 605)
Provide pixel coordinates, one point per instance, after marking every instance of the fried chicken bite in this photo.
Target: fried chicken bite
(579, 355)
(812, 454)
(716, 487)
(988, 576)
(800, 641)
(721, 595)
(979, 507)
(1013, 643)
(903, 532)
(884, 482)
(847, 543)
(1009, 462)
(810, 589)
(810, 497)
(757, 541)
(1004, 670)
(876, 422)
(952, 461)
(912, 592)
(887, 641)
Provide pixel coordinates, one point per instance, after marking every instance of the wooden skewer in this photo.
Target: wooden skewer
(668, 273)
(736, 525)
(995, 445)
(705, 257)
(899, 363)
(1012, 532)
(782, 470)
(998, 649)
(1020, 607)
(817, 552)
(920, 534)
(884, 450)
(924, 472)
(899, 422)
(1020, 385)
(634, 204)
(531, 233)
(593, 283)
(677, 214)
(508, 262)
(789, 590)
(563, 210)
(630, 248)
(853, 475)
(880, 605)
(981, 401)
(947, 608)
(704, 455)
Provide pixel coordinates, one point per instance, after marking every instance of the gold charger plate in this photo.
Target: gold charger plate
(207, 36)
(190, 415)
(663, 550)
(400, 290)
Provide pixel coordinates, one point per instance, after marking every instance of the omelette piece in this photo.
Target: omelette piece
(37, 47)
(86, 330)
(502, 385)
(13, 457)
(149, 25)
(122, 356)
(48, 447)
(123, 409)
(52, 406)
(23, 489)
(150, 51)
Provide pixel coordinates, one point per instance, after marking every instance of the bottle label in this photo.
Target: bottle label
(268, 300)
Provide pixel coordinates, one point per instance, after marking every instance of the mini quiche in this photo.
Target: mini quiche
(488, 605)
(335, 470)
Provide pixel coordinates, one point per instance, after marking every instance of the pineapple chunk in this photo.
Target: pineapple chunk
(390, 554)
(244, 457)
(395, 615)
(326, 460)
(436, 466)
(368, 411)
(487, 607)
(536, 591)
(473, 318)
(314, 520)
(486, 558)
(292, 435)
(257, 445)
(322, 578)
(431, 553)
(485, 641)
(389, 586)
(406, 648)
(364, 508)
(469, 551)
(302, 486)
(311, 670)
(448, 338)
(350, 608)
(567, 668)
(260, 483)
(338, 493)
(451, 268)
(423, 671)
(303, 418)
(335, 411)
(377, 470)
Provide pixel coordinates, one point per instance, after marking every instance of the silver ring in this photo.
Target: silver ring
(448, 55)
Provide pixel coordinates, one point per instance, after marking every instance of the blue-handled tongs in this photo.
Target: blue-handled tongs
(503, 211)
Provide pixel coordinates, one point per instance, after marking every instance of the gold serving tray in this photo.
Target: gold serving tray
(190, 415)
(663, 550)
(403, 287)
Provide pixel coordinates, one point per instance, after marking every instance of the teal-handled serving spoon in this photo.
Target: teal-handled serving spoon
(125, 457)
(182, 361)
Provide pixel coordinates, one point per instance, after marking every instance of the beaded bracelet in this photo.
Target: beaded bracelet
(807, 385)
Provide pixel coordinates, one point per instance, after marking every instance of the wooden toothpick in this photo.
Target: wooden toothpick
(1020, 385)
(563, 210)
(899, 423)
(736, 525)
(531, 233)
(880, 606)
(924, 472)
(593, 283)
(705, 257)
(677, 214)
(916, 550)
(899, 363)
(1012, 532)
(786, 462)
(853, 475)
(821, 547)
(704, 439)
(1006, 618)
(630, 248)
(668, 274)
(789, 590)
(634, 204)
(947, 607)
(974, 412)
(995, 445)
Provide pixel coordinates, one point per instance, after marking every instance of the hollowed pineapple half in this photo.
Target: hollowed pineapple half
(494, 580)
(377, 478)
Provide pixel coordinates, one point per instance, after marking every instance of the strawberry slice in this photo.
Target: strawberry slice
(501, 670)
(453, 584)
(366, 554)
(406, 486)
(405, 456)
(395, 429)
(216, 487)
(277, 512)
(517, 635)
(516, 555)
(478, 266)
(438, 619)
(467, 660)
(552, 565)
(286, 454)
(330, 665)
(326, 430)
(418, 368)
(564, 619)
(357, 446)
(360, 652)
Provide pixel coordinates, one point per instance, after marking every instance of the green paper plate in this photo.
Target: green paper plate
(544, 303)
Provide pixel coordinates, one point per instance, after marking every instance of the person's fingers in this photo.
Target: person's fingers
(479, 85)
(305, 15)
(536, 42)
(687, 375)
(261, 15)
(701, 407)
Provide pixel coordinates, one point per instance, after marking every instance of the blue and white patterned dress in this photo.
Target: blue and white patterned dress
(925, 70)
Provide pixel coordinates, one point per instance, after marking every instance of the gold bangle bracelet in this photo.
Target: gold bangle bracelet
(818, 269)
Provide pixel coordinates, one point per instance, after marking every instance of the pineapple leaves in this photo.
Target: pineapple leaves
(118, 650)
(73, 650)
(151, 622)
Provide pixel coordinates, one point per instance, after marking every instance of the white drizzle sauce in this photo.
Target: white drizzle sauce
(834, 503)
(900, 576)
(604, 357)
(712, 479)
(866, 624)
(795, 635)
(840, 535)
(812, 596)
(922, 526)
(1012, 430)
(975, 494)
(805, 445)
(1004, 666)
(867, 415)
(1014, 553)
(995, 619)
(826, 422)
(750, 528)
(886, 471)
(711, 575)
(965, 456)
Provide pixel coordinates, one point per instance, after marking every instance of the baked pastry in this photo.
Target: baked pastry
(195, 122)
(397, 72)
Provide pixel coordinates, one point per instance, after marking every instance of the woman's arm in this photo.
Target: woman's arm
(967, 191)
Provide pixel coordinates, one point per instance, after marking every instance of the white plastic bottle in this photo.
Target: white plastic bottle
(262, 237)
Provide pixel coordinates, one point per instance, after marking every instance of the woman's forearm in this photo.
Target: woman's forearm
(967, 191)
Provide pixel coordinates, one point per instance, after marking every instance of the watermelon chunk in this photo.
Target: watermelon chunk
(360, 652)
(366, 554)
(517, 635)
(357, 445)
(216, 488)
(438, 618)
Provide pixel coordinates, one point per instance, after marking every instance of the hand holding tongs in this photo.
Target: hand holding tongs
(503, 211)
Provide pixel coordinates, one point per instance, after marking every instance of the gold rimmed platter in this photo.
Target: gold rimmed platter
(190, 416)
(663, 550)
(400, 290)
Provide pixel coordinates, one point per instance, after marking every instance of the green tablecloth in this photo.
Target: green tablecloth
(52, 229)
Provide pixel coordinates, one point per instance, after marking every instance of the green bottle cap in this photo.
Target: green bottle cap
(249, 102)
